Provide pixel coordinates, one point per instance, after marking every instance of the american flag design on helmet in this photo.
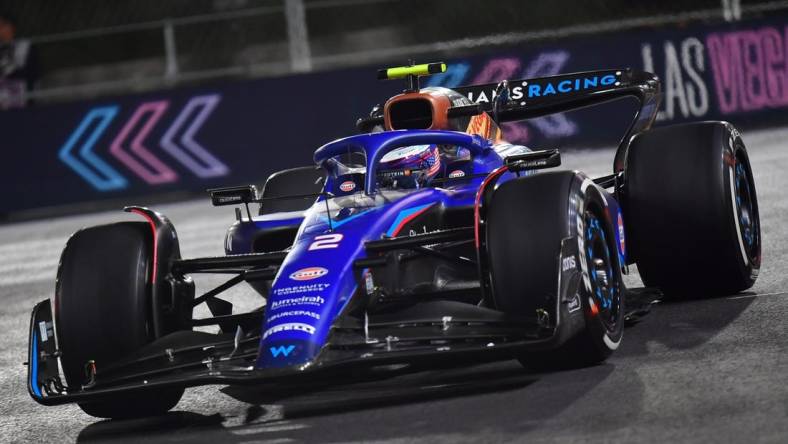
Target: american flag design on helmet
(411, 160)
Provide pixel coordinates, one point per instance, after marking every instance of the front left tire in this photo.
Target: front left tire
(102, 312)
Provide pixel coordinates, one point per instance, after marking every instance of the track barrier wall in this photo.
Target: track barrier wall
(191, 139)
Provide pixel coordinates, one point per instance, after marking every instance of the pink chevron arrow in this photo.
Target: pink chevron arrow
(151, 169)
(195, 157)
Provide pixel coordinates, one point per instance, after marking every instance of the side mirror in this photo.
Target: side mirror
(535, 160)
(233, 195)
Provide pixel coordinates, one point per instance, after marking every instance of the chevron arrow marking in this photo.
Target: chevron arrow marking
(198, 160)
(104, 178)
(151, 169)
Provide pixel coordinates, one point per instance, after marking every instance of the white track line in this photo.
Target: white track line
(744, 296)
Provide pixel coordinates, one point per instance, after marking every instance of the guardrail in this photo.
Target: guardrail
(301, 58)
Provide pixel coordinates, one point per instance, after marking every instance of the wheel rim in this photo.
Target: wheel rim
(746, 209)
(605, 289)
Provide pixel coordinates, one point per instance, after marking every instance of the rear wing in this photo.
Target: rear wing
(523, 99)
(514, 100)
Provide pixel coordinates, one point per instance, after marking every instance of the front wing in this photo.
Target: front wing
(188, 358)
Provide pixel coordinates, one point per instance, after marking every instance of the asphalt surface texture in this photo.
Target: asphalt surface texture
(707, 370)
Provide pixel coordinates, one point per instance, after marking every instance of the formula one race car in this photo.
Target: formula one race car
(425, 240)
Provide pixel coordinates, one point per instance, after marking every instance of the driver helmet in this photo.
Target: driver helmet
(409, 167)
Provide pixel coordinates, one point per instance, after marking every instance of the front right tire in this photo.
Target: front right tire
(527, 219)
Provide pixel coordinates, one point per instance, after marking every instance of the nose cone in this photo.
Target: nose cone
(314, 284)
(317, 279)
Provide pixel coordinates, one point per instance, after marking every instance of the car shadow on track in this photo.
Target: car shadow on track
(683, 325)
(335, 413)
(461, 402)
(389, 388)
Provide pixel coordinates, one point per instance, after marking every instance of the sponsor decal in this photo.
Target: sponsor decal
(281, 350)
(574, 304)
(457, 173)
(292, 313)
(292, 326)
(301, 300)
(494, 70)
(369, 285)
(307, 274)
(42, 328)
(347, 186)
(548, 88)
(307, 288)
(568, 263)
(323, 242)
(395, 174)
(226, 199)
(621, 233)
(565, 86)
(532, 164)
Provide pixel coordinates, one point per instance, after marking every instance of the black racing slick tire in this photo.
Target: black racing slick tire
(102, 306)
(692, 211)
(527, 221)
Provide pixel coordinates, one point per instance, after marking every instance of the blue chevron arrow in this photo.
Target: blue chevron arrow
(111, 179)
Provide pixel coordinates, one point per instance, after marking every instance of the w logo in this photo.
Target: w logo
(282, 350)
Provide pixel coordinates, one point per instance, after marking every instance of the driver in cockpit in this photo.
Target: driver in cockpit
(417, 166)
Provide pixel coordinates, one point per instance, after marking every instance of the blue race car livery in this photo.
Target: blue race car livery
(425, 239)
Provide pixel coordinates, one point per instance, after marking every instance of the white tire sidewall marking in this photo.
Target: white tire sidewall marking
(580, 223)
(611, 344)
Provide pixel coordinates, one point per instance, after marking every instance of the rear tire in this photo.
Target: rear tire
(527, 220)
(692, 211)
(102, 299)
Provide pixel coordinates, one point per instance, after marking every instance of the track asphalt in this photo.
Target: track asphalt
(709, 370)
